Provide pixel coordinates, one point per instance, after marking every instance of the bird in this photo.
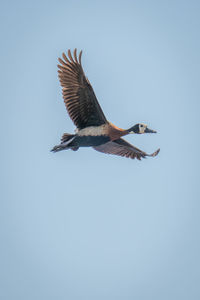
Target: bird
(92, 127)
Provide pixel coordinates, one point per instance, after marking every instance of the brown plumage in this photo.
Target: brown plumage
(93, 129)
(123, 148)
(78, 94)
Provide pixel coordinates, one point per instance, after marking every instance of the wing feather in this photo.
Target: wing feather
(78, 94)
(123, 148)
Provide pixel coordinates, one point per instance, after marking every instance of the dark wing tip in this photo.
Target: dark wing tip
(79, 58)
(70, 55)
(65, 57)
(155, 153)
(75, 59)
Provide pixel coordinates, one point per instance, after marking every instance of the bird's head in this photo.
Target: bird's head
(140, 128)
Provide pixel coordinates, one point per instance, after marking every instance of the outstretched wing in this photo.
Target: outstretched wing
(79, 97)
(123, 148)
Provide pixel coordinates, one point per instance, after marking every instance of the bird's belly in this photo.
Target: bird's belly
(89, 140)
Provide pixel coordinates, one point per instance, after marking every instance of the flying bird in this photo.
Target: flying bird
(92, 127)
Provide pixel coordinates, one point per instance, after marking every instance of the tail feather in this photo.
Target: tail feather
(59, 148)
(66, 137)
(65, 143)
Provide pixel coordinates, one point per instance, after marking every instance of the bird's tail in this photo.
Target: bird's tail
(66, 140)
(67, 137)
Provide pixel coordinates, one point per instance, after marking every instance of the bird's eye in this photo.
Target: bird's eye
(141, 125)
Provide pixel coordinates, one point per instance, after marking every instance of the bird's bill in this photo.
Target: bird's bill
(147, 130)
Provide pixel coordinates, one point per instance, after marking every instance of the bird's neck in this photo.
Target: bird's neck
(115, 132)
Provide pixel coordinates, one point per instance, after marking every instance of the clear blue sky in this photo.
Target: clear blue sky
(83, 225)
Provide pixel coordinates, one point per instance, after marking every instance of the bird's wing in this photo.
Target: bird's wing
(79, 97)
(123, 148)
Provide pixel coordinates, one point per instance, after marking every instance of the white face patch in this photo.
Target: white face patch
(142, 128)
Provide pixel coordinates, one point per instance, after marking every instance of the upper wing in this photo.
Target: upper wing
(123, 148)
(79, 97)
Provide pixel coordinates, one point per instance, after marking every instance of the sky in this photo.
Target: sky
(86, 225)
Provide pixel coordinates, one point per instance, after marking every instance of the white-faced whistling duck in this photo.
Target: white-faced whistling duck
(93, 129)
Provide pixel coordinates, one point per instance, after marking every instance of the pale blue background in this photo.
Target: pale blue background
(83, 225)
